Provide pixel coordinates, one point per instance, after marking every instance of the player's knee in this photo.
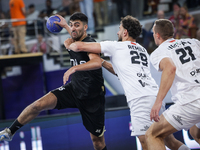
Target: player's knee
(36, 106)
(98, 145)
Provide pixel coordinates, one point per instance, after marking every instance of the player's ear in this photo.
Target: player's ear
(157, 35)
(125, 32)
(85, 27)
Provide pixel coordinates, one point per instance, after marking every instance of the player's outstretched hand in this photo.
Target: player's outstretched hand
(68, 42)
(154, 115)
(63, 23)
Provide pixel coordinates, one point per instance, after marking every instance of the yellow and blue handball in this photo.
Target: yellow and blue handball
(51, 26)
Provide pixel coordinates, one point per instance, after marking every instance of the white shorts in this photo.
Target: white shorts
(140, 110)
(183, 116)
(198, 125)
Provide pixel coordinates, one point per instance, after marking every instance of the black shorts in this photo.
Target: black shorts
(92, 110)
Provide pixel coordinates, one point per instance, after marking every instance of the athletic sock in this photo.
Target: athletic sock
(104, 148)
(183, 147)
(15, 126)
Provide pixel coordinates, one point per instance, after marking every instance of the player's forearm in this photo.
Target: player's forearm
(90, 65)
(67, 27)
(92, 47)
(108, 66)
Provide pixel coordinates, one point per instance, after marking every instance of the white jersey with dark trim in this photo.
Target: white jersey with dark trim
(131, 63)
(185, 53)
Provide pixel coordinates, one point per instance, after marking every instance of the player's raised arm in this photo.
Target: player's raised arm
(92, 47)
(63, 23)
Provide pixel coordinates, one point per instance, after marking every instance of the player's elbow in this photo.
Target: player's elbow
(172, 69)
(98, 64)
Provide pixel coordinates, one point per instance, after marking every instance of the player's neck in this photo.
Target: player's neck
(129, 39)
(84, 36)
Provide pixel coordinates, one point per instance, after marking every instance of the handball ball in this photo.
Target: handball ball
(51, 26)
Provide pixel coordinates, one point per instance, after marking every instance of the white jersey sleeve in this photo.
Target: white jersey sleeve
(197, 42)
(157, 56)
(185, 53)
(108, 47)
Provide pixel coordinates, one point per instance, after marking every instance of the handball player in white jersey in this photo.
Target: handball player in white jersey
(179, 61)
(130, 62)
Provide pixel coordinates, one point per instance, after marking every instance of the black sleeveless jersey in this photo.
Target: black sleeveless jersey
(86, 84)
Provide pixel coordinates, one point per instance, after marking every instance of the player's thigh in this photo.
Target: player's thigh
(46, 102)
(140, 114)
(143, 141)
(183, 116)
(93, 114)
(161, 129)
(66, 97)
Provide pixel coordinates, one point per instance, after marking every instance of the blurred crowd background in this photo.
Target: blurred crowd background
(101, 13)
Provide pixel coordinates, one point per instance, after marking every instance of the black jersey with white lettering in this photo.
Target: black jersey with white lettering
(86, 84)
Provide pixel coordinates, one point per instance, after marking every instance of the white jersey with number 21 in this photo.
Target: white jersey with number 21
(185, 53)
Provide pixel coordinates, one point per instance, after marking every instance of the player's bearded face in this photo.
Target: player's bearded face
(77, 30)
(119, 38)
(119, 33)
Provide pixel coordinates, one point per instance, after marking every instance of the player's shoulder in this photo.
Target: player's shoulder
(110, 43)
(89, 38)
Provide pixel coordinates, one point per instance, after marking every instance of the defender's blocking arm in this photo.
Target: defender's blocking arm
(168, 74)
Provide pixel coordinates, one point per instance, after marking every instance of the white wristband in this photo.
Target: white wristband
(103, 62)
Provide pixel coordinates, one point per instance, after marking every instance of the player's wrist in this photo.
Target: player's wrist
(102, 62)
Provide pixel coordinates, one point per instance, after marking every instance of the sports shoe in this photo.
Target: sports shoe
(6, 135)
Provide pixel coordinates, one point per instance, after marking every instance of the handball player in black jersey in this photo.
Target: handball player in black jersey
(85, 90)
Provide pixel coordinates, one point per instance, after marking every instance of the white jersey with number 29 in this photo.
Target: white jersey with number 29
(131, 63)
(185, 53)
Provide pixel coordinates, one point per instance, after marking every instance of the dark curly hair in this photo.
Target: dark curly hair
(132, 25)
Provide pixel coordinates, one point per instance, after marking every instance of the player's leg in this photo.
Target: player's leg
(29, 113)
(140, 111)
(172, 143)
(143, 142)
(195, 132)
(98, 142)
(93, 115)
(157, 132)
